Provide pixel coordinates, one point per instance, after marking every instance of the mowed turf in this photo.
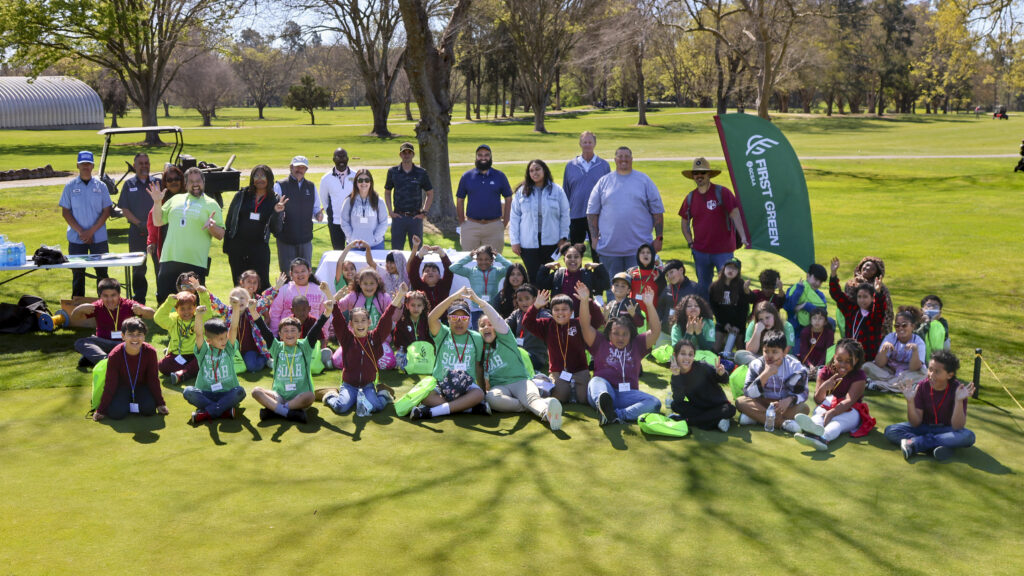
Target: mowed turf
(467, 494)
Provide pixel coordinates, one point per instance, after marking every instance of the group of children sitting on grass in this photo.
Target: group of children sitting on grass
(506, 344)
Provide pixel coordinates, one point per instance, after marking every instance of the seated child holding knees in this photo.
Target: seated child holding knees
(730, 301)
(774, 380)
(901, 357)
(614, 391)
(697, 394)
(507, 379)
(816, 339)
(362, 349)
(934, 330)
(133, 384)
(217, 391)
(180, 362)
(292, 391)
(936, 412)
(839, 390)
(110, 312)
(766, 318)
(457, 368)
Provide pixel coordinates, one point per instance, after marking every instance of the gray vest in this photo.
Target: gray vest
(298, 212)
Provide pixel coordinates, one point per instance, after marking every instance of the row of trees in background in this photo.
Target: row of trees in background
(500, 56)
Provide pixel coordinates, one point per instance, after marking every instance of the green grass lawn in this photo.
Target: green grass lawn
(469, 495)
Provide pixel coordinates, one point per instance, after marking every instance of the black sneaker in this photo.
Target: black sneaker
(297, 416)
(84, 362)
(481, 409)
(268, 414)
(605, 409)
(420, 413)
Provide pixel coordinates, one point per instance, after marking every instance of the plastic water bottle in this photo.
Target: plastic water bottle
(668, 403)
(362, 404)
(19, 254)
(769, 419)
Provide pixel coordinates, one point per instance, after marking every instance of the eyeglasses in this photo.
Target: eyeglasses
(363, 180)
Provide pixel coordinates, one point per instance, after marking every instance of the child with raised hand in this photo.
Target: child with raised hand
(292, 391)
(110, 312)
(774, 381)
(695, 322)
(180, 362)
(864, 315)
(132, 384)
(622, 303)
(838, 393)
(614, 391)
(562, 279)
(526, 295)
(362, 347)
(771, 289)
(432, 283)
(217, 391)
(303, 283)
(803, 298)
(697, 394)
(458, 370)
(393, 273)
(816, 339)
(507, 378)
(730, 301)
(368, 293)
(567, 353)
(255, 351)
(936, 412)
(345, 271)
(646, 275)
(484, 278)
(766, 318)
(901, 357)
(934, 330)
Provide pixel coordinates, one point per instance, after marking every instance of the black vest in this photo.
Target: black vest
(298, 212)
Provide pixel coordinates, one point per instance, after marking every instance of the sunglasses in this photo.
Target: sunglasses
(363, 180)
(458, 317)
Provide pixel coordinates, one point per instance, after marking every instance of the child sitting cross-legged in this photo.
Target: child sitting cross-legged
(292, 391)
(110, 312)
(697, 394)
(839, 393)
(217, 391)
(362, 348)
(777, 381)
(901, 357)
(132, 384)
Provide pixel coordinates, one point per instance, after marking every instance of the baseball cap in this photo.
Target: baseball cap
(85, 157)
(406, 146)
(300, 161)
(734, 262)
(622, 276)
(483, 147)
(459, 306)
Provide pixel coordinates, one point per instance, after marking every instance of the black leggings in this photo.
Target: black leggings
(119, 406)
(702, 417)
(251, 257)
(167, 279)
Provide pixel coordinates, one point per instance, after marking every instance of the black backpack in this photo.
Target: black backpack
(46, 255)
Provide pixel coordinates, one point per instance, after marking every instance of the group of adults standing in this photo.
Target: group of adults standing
(617, 209)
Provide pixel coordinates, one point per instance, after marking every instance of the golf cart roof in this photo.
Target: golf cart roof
(140, 130)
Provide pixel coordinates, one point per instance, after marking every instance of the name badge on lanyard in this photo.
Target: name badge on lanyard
(565, 375)
(115, 335)
(459, 367)
(133, 407)
(519, 341)
(624, 386)
(254, 216)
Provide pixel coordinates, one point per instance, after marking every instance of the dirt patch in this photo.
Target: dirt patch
(7, 215)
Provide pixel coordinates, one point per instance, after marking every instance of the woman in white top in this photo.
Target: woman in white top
(539, 220)
(363, 214)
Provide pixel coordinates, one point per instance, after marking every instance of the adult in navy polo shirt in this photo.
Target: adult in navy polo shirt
(623, 209)
(715, 223)
(85, 204)
(580, 176)
(135, 203)
(482, 217)
(413, 196)
(301, 206)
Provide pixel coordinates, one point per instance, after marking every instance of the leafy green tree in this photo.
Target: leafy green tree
(307, 96)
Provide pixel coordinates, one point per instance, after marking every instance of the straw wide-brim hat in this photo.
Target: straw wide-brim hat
(701, 165)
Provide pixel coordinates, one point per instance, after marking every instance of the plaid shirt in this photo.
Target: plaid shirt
(867, 330)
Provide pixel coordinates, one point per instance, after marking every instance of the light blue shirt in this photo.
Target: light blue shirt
(548, 207)
(360, 221)
(625, 205)
(579, 180)
(86, 200)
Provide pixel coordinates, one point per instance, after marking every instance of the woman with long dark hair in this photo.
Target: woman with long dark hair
(363, 214)
(539, 217)
(251, 218)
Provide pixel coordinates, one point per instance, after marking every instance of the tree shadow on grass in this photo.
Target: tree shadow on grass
(142, 428)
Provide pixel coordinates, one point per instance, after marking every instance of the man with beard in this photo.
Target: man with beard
(336, 185)
(482, 217)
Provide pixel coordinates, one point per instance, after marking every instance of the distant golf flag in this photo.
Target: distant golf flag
(770, 186)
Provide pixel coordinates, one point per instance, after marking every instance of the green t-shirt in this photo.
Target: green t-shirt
(186, 241)
(503, 364)
(454, 350)
(704, 341)
(291, 368)
(216, 368)
(181, 334)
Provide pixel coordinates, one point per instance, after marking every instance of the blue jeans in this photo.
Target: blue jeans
(927, 437)
(706, 265)
(628, 405)
(254, 361)
(403, 227)
(214, 403)
(78, 274)
(347, 395)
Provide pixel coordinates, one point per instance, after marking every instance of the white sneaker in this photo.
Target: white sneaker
(791, 426)
(387, 397)
(812, 441)
(747, 420)
(723, 424)
(554, 415)
(325, 358)
(808, 425)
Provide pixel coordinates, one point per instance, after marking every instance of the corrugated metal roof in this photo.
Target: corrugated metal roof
(49, 102)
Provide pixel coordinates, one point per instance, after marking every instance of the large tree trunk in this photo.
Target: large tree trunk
(558, 88)
(641, 86)
(149, 113)
(428, 67)
(538, 105)
(408, 111)
(260, 108)
(378, 96)
(720, 101)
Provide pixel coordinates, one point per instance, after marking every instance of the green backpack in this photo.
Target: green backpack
(662, 354)
(419, 358)
(661, 425)
(736, 381)
(316, 364)
(239, 362)
(414, 396)
(99, 380)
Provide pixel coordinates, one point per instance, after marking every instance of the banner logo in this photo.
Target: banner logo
(758, 145)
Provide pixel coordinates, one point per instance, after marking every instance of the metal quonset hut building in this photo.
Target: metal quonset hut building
(49, 103)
